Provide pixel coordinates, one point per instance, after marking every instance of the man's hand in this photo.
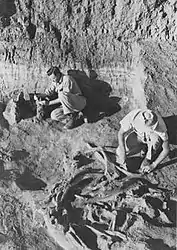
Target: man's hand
(44, 102)
(148, 168)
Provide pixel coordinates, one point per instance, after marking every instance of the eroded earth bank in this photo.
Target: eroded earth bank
(59, 189)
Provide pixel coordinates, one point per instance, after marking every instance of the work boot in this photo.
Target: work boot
(71, 121)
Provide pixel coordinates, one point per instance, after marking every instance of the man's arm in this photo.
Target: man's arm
(121, 148)
(49, 92)
(162, 155)
(47, 102)
(53, 102)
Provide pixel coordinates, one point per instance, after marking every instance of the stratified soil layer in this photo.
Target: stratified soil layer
(56, 192)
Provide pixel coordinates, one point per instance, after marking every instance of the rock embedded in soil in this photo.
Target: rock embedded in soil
(130, 45)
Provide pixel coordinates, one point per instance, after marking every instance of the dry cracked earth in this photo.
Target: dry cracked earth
(61, 189)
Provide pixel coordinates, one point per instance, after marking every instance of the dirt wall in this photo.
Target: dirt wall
(120, 40)
(131, 45)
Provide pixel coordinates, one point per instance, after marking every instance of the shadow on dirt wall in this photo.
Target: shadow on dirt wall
(171, 123)
(7, 9)
(27, 181)
(100, 103)
(97, 92)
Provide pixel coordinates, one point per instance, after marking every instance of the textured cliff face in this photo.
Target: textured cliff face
(131, 45)
(86, 32)
(120, 40)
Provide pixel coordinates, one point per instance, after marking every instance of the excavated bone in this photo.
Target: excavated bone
(128, 222)
(117, 234)
(124, 187)
(143, 207)
(101, 211)
(113, 221)
(107, 233)
(76, 240)
(100, 155)
(163, 218)
(104, 158)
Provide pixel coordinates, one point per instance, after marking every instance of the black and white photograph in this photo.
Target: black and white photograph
(88, 124)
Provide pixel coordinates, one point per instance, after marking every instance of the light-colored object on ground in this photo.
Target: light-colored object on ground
(12, 111)
(40, 113)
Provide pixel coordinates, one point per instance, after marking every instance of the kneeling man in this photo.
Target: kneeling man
(143, 130)
(69, 96)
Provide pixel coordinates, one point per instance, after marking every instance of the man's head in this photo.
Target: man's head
(54, 73)
(149, 118)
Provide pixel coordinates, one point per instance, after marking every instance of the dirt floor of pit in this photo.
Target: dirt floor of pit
(42, 155)
(131, 45)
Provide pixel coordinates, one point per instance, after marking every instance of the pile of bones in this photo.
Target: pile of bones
(106, 201)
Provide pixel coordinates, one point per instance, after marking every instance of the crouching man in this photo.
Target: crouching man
(143, 131)
(69, 96)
